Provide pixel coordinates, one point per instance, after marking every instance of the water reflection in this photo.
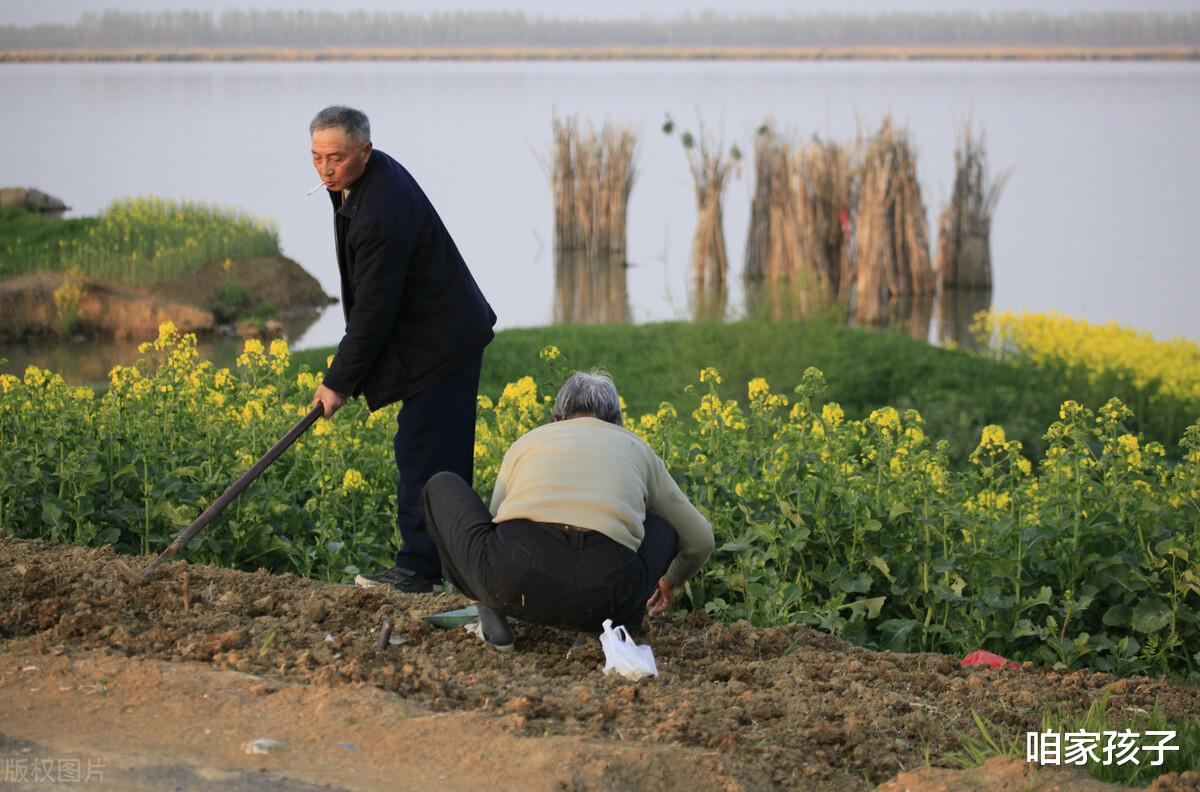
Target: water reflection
(788, 299)
(956, 312)
(911, 314)
(905, 313)
(587, 290)
(590, 288)
(708, 302)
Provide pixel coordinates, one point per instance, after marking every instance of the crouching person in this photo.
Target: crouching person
(586, 524)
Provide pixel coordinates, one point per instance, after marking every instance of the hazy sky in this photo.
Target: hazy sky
(22, 12)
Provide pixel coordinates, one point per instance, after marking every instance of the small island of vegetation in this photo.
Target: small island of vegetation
(142, 261)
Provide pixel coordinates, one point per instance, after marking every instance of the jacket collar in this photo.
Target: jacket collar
(349, 207)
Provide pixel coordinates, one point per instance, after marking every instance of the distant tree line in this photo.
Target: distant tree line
(306, 29)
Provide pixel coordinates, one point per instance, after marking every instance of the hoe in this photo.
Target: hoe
(235, 489)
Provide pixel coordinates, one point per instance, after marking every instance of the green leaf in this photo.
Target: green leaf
(957, 585)
(854, 584)
(882, 566)
(1150, 616)
(897, 510)
(1117, 616)
(895, 633)
(872, 606)
(51, 511)
(1173, 546)
(1025, 629)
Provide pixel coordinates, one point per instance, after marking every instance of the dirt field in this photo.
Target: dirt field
(170, 678)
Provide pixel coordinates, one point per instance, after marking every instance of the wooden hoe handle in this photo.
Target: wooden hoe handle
(236, 488)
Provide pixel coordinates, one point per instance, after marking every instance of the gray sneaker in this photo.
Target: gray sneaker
(399, 578)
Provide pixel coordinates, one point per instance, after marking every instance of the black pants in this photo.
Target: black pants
(539, 572)
(435, 431)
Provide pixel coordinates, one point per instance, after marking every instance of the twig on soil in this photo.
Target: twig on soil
(385, 634)
(186, 594)
(130, 576)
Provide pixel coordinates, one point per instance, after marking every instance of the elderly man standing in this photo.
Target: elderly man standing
(416, 326)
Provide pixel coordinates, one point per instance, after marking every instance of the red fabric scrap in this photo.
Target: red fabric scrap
(980, 657)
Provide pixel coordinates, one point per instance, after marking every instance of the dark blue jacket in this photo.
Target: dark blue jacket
(413, 312)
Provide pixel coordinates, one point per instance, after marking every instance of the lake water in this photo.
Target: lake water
(1098, 219)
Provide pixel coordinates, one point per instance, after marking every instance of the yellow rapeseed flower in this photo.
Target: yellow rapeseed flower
(757, 388)
(353, 481)
(992, 437)
(886, 418)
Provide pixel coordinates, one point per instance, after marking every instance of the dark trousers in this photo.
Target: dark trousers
(435, 431)
(539, 572)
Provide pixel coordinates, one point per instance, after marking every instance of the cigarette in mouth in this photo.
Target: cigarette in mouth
(314, 189)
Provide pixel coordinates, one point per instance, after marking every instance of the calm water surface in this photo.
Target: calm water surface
(1098, 219)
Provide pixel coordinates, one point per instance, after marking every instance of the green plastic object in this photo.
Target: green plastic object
(454, 618)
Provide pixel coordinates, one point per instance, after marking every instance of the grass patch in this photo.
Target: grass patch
(1095, 727)
(956, 392)
(141, 240)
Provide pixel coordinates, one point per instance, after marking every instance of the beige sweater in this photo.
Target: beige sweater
(597, 475)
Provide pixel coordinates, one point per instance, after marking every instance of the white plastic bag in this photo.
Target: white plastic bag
(621, 654)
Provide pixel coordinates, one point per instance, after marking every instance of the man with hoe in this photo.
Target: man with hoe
(416, 326)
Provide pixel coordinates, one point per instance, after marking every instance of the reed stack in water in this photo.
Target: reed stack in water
(795, 219)
(592, 175)
(964, 257)
(824, 199)
(710, 168)
(891, 255)
(772, 244)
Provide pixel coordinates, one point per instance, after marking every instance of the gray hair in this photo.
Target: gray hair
(588, 393)
(354, 122)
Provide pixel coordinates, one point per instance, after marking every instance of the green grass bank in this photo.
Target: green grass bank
(957, 393)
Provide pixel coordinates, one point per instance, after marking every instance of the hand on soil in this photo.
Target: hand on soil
(661, 599)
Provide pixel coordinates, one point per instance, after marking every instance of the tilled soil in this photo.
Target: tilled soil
(783, 707)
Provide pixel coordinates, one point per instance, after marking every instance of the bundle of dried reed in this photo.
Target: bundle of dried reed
(592, 175)
(710, 167)
(797, 196)
(891, 255)
(773, 243)
(824, 198)
(964, 257)
(825, 191)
